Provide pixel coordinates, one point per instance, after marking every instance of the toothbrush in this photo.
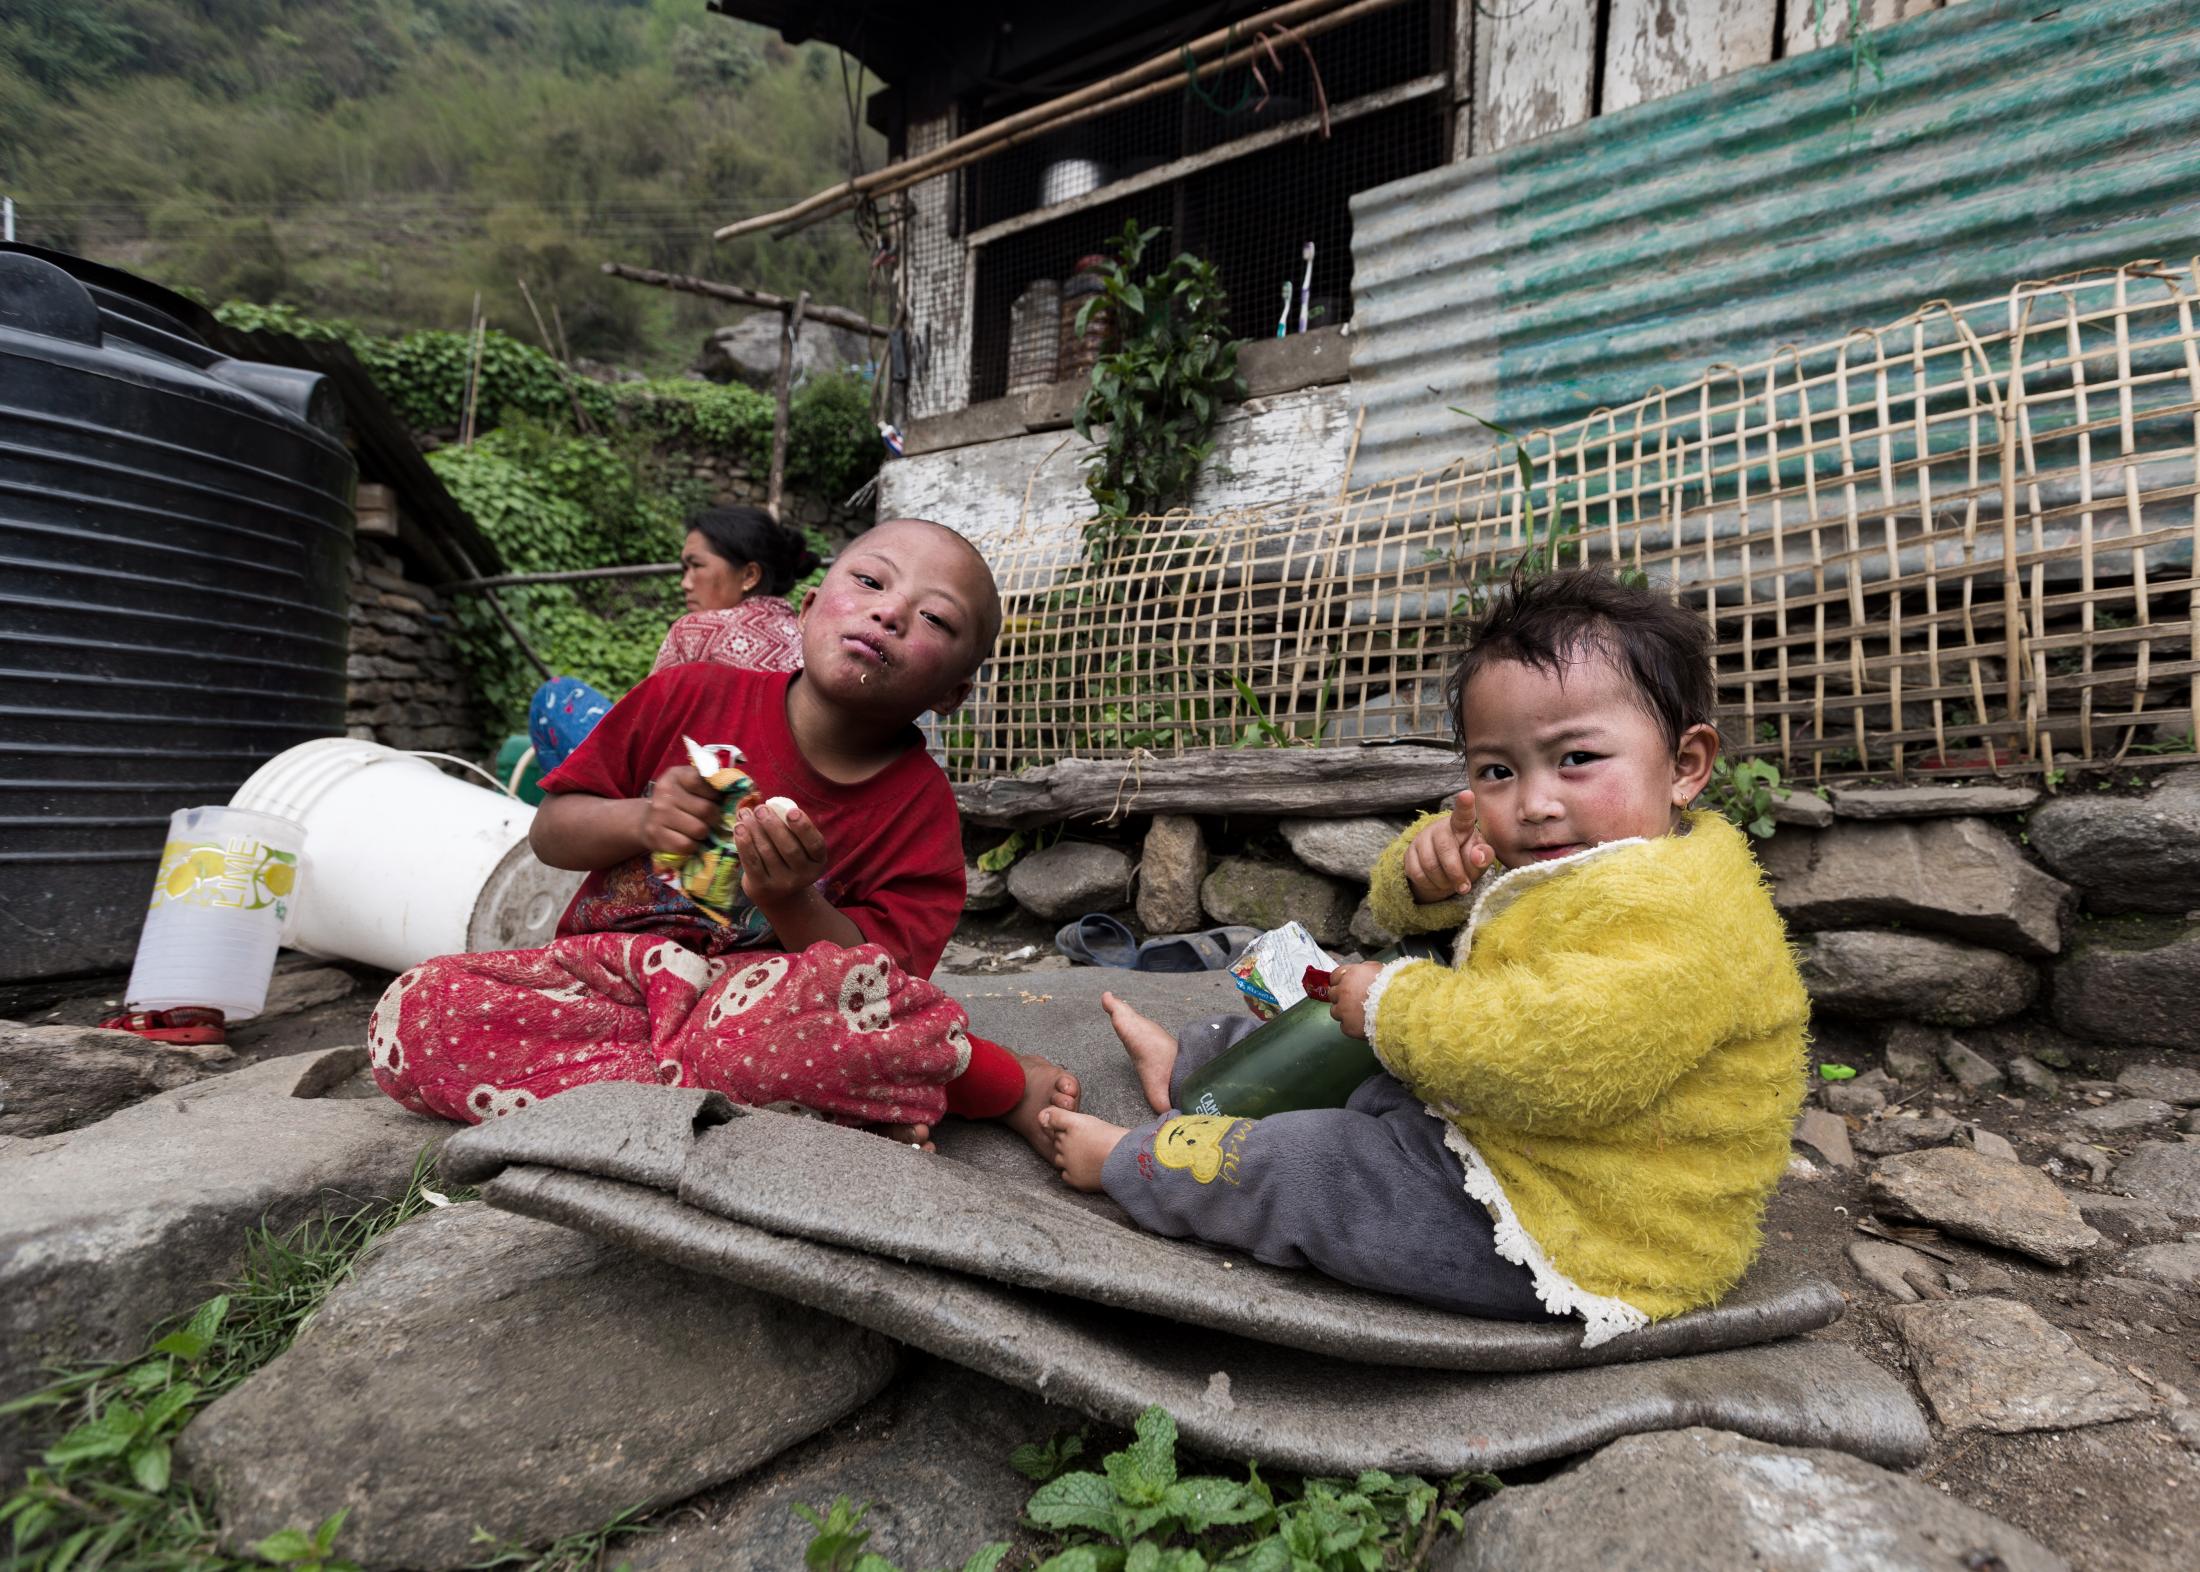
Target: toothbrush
(1306, 290)
(1283, 323)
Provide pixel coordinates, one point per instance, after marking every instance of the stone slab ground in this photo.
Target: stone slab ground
(2110, 1497)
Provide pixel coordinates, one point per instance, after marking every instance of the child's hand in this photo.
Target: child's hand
(1348, 996)
(781, 857)
(1446, 858)
(679, 812)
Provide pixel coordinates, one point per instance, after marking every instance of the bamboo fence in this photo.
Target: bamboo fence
(1961, 543)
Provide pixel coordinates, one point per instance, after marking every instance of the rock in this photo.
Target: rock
(1874, 972)
(110, 1229)
(486, 1371)
(1170, 867)
(1268, 895)
(931, 1456)
(1975, 1197)
(1702, 1500)
(63, 1077)
(1343, 848)
(1071, 878)
(1974, 1072)
(1886, 1137)
(1805, 808)
(1930, 802)
(1912, 1054)
(748, 351)
(1889, 1267)
(2036, 1078)
(2133, 1113)
(2125, 1219)
(1994, 1364)
(2169, 1083)
(2191, 1123)
(984, 890)
(2166, 1174)
(1961, 877)
(2091, 1158)
(1369, 934)
(2127, 854)
(291, 992)
(1987, 1144)
(2173, 1265)
(1850, 1097)
(2132, 981)
(1862, 1097)
(1825, 1134)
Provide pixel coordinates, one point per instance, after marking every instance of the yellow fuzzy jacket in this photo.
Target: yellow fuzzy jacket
(1618, 1048)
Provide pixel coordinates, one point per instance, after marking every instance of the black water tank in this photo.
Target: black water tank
(175, 547)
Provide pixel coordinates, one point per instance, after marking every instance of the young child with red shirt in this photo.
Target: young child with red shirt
(815, 995)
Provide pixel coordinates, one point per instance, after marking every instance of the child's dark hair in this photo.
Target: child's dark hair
(742, 535)
(1550, 621)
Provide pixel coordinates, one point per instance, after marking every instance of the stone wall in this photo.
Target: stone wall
(407, 689)
(1994, 911)
(732, 482)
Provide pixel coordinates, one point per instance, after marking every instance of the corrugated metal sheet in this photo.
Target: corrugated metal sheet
(1535, 285)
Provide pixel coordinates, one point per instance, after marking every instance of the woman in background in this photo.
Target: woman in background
(736, 568)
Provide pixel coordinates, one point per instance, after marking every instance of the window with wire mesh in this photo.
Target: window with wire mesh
(1315, 119)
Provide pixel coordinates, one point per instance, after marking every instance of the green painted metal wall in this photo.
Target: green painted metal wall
(2007, 141)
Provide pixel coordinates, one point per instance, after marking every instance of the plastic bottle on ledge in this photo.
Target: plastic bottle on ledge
(1298, 1060)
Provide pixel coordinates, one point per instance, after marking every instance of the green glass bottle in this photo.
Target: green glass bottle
(1298, 1060)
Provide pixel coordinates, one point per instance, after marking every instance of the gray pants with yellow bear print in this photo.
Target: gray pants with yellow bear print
(1368, 1193)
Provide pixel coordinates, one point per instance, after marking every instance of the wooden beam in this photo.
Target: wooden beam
(790, 334)
(1193, 163)
(831, 316)
(1040, 118)
(1219, 780)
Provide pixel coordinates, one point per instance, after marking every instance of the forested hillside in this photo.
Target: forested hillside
(382, 160)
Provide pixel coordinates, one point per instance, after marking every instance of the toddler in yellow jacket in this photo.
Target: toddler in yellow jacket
(1585, 1112)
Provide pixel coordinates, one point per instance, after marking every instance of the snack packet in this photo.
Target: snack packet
(1271, 971)
(710, 875)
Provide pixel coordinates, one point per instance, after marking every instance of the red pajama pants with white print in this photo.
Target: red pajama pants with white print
(844, 1033)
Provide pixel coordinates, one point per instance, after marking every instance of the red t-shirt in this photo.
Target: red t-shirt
(893, 843)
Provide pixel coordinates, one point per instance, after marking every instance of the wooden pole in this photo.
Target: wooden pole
(1108, 93)
(477, 341)
(790, 334)
(633, 570)
(581, 422)
(831, 316)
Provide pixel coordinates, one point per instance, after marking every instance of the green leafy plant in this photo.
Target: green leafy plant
(1260, 731)
(1159, 389)
(103, 1493)
(1041, 1461)
(1140, 1513)
(837, 1546)
(1744, 791)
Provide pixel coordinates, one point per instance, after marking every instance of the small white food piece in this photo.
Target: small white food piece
(780, 805)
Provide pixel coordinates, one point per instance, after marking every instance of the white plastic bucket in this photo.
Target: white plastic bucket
(406, 862)
(228, 883)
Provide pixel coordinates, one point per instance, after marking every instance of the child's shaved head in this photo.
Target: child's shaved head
(984, 595)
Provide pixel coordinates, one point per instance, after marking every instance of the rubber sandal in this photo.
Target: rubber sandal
(1182, 952)
(1096, 939)
(1209, 951)
(185, 1025)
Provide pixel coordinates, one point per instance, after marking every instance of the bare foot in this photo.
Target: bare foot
(1151, 1046)
(1081, 1145)
(917, 1135)
(1046, 1085)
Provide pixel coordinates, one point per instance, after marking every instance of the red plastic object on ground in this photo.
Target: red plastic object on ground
(184, 1025)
